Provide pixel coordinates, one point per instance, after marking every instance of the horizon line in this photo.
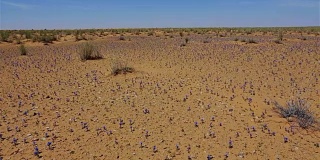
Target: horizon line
(164, 28)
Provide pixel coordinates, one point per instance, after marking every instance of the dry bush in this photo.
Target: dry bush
(23, 50)
(89, 52)
(298, 109)
(120, 67)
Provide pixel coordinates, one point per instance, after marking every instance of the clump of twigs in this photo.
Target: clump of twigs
(298, 109)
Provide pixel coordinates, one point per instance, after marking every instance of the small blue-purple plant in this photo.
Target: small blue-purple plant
(230, 143)
(147, 134)
(49, 144)
(196, 124)
(36, 151)
(189, 148)
(154, 148)
(15, 141)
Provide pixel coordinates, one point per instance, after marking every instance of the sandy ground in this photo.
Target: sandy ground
(183, 102)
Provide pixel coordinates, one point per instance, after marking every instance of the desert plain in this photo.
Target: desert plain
(191, 96)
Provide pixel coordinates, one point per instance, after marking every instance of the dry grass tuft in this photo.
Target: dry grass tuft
(89, 52)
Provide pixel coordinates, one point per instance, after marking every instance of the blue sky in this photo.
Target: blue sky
(74, 14)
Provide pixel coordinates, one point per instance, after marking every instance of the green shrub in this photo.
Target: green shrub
(5, 36)
(23, 50)
(89, 52)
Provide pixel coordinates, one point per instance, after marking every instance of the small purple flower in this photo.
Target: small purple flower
(196, 124)
(49, 144)
(189, 148)
(36, 151)
(209, 157)
(154, 149)
(220, 124)
(46, 135)
(17, 129)
(15, 141)
(285, 139)
(131, 128)
(202, 120)
(230, 144)
(212, 118)
(141, 145)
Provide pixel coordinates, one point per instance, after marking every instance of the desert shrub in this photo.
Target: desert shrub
(280, 36)
(251, 41)
(121, 38)
(298, 109)
(186, 40)
(181, 34)
(23, 50)
(4, 36)
(277, 41)
(28, 34)
(150, 33)
(120, 67)
(89, 52)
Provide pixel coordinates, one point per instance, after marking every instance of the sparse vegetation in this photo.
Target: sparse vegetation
(121, 38)
(251, 41)
(280, 36)
(186, 40)
(89, 52)
(277, 41)
(5, 36)
(298, 109)
(23, 50)
(120, 67)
